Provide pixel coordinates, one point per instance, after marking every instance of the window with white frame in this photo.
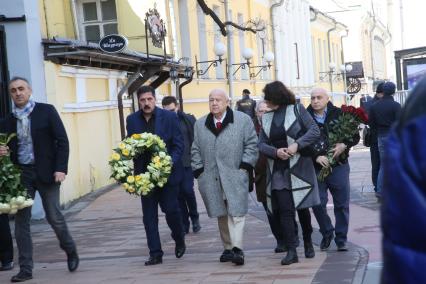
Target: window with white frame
(97, 18)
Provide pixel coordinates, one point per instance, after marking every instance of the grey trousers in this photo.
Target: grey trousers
(49, 194)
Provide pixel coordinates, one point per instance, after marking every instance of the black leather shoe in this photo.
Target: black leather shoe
(342, 247)
(73, 261)
(153, 260)
(238, 258)
(22, 276)
(227, 255)
(281, 247)
(180, 250)
(309, 249)
(7, 266)
(325, 243)
(290, 258)
(196, 227)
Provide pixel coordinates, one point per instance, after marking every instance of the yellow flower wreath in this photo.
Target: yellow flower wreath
(158, 170)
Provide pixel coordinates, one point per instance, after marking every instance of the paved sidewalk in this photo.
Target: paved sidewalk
(112, 246)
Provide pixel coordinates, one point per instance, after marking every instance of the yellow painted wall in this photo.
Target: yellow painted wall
(97, 90)
(319, 33)
(91, 134)
(56, 19)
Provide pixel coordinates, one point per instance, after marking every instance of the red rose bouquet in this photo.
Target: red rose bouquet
(342, 130)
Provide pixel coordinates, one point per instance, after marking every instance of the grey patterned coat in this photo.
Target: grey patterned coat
(221, 160)
(302, 177)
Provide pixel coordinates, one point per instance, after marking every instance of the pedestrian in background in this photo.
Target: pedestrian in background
(291, 178)
(374, 148)
(186, 197)
(325, 114)
(224, 154)
(41, 151)
(381, 117)
(247, 105)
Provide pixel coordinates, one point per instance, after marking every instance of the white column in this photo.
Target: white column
(23, 41)
(80, 89)
(112, 88)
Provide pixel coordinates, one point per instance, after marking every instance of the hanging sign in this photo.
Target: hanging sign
(113, 43)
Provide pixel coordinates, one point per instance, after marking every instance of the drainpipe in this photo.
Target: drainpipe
(74, 19)
(371, 48)
(330, 79)
(273, 7)
(342, 54)
(315, 14)
(342, 59)
(189, 80)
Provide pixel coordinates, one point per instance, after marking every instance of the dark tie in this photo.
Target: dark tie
(218, 125)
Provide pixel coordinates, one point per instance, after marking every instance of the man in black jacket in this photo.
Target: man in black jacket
(247, 105)
(381, 117)
(324, 113)
(41, 150)
(374, 148)
(187, 200)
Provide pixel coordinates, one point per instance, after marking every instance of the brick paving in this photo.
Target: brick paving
(112, 245)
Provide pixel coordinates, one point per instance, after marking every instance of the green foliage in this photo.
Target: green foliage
(10, 175)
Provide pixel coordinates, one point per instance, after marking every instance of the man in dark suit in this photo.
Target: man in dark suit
(187, 199)
(165, 124)
(41, 150)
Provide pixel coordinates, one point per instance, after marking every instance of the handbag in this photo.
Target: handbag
(366, 136)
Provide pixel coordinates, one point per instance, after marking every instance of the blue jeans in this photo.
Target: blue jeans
(338, 184)
(381, 140)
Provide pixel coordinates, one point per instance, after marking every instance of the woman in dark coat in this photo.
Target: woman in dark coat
(291, 179)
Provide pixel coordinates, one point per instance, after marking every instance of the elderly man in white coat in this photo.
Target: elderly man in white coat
(224, 153)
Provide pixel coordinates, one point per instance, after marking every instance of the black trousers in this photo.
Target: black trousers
(305, 223)
(285, 206)
(6, 244)
(277, 230)
(375, 163)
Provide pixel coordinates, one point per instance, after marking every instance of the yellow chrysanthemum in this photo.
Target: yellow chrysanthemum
(115, 157)
(138, 178)
(131, 189)
(136, 136)
(156, 159)
(122, 146)
(125, 185)
(130, 179)
(125, 152)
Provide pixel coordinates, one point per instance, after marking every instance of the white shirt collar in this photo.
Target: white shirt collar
(221, 120)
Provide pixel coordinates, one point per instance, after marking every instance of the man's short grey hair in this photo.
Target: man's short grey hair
(258, 104)
(17, 78)
(220, 91)
(319, 90)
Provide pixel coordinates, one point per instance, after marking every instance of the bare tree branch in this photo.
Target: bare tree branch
(251, 26)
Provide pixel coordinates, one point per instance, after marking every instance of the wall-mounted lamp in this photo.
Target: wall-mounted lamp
(269, 57)
(247, 55)
(187, 73)
(219, 50)
(333, 75)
